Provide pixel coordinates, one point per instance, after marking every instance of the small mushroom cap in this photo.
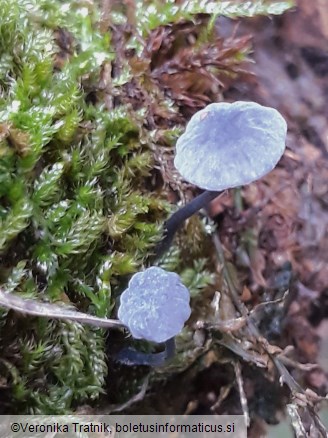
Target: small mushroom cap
(227, 145)
(155, 305)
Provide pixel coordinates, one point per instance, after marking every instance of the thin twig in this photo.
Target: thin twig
(285, 376)
(226, 326)
(242, 395)
(136, 398)
(48, 310)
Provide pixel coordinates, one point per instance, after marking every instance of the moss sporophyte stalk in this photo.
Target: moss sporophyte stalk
(77, 214)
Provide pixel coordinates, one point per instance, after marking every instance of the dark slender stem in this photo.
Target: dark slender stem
(131, 357)
(177, 219)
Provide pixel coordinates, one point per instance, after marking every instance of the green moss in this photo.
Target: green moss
(75, 214)
(158, 13)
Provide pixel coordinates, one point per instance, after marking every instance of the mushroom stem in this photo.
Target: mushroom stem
(131, 357)
(177, 219)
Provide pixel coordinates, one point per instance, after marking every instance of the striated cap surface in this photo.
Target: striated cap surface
(155, 305)
(227, 145)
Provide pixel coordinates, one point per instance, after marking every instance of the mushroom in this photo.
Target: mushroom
(154, 307)
(225, 145)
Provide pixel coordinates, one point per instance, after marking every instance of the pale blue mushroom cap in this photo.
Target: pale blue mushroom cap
(155, 305)
(228, 145)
